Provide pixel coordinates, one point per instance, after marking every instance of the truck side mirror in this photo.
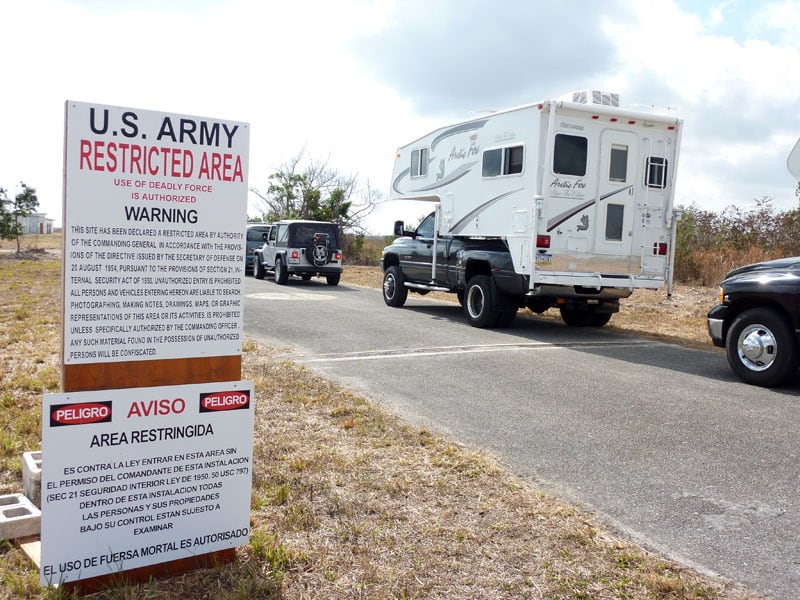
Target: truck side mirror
(399, 228)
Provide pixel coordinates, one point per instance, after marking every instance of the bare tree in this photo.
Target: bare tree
(310, 188)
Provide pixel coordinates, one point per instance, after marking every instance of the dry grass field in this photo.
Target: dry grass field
(348, 501)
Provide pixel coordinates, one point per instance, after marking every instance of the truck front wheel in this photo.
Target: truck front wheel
(258, 268)
(394, 291)
(478, 303)
(761, 348)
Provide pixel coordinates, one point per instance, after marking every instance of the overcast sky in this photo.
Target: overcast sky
(351, 80)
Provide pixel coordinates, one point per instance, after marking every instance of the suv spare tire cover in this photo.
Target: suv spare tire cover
(318, 252)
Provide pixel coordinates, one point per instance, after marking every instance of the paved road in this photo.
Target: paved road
(661, 441)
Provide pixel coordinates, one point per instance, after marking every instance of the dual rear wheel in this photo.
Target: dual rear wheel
(480, 307)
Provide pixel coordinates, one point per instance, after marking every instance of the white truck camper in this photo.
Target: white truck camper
(579, 189)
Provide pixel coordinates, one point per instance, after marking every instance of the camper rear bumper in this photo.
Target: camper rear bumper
(576, 291)
(588, 285)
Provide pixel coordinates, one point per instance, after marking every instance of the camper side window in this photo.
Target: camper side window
(419, 162)
(502, 161)
(569, 155)
(656, 172)
(492, 162)
(512, 159)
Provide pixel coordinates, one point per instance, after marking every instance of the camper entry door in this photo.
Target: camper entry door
(616, 193)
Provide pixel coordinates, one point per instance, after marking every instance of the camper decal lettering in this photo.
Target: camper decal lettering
(463, 152)
(505, 136)
(566, 188)
(440, 174)
(571, 212)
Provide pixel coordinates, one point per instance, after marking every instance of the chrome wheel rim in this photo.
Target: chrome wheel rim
(389, 286)
(757, 348)
(475, 301)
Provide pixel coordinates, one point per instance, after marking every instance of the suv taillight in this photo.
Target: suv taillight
(295, 254)
(338, 256)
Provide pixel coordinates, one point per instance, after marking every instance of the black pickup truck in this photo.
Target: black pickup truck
(757, 321)
(481, 273)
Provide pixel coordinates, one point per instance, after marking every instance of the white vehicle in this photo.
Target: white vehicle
(580, 191)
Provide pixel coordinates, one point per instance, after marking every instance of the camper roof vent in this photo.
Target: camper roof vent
(593, 97)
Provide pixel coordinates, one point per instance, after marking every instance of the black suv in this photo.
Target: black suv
(303, 248)
(757, 321)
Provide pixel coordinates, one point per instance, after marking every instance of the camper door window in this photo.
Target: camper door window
(419, 162)
(569, 155)
(618, 164)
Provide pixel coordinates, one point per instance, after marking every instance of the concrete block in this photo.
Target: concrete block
(32, 476)
(18, 517)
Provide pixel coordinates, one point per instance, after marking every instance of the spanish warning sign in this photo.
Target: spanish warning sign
(155, 211)
(134, 477)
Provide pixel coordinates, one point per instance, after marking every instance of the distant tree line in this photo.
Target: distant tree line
(13, 211)
(709, 244)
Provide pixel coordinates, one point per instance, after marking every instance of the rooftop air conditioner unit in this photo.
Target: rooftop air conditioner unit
(593, 97)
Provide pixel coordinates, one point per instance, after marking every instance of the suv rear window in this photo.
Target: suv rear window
(303, 233)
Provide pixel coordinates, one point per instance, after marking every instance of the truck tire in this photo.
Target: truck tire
(258, 268)
(333, 278)
(478, 302)
(506, 318)
(394, 290)
(281, 274)
(599, 319)
(761, 347)
(574, 317)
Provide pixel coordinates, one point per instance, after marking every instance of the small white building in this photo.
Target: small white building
(36, 223)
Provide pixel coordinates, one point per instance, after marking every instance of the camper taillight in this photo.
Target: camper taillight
(542, 241)
(660, 248)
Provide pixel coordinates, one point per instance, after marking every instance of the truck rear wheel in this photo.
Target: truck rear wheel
(394, 290)
(506, 318)
(258, 268)
(478, 302)
(575, 317)
(761, 348)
